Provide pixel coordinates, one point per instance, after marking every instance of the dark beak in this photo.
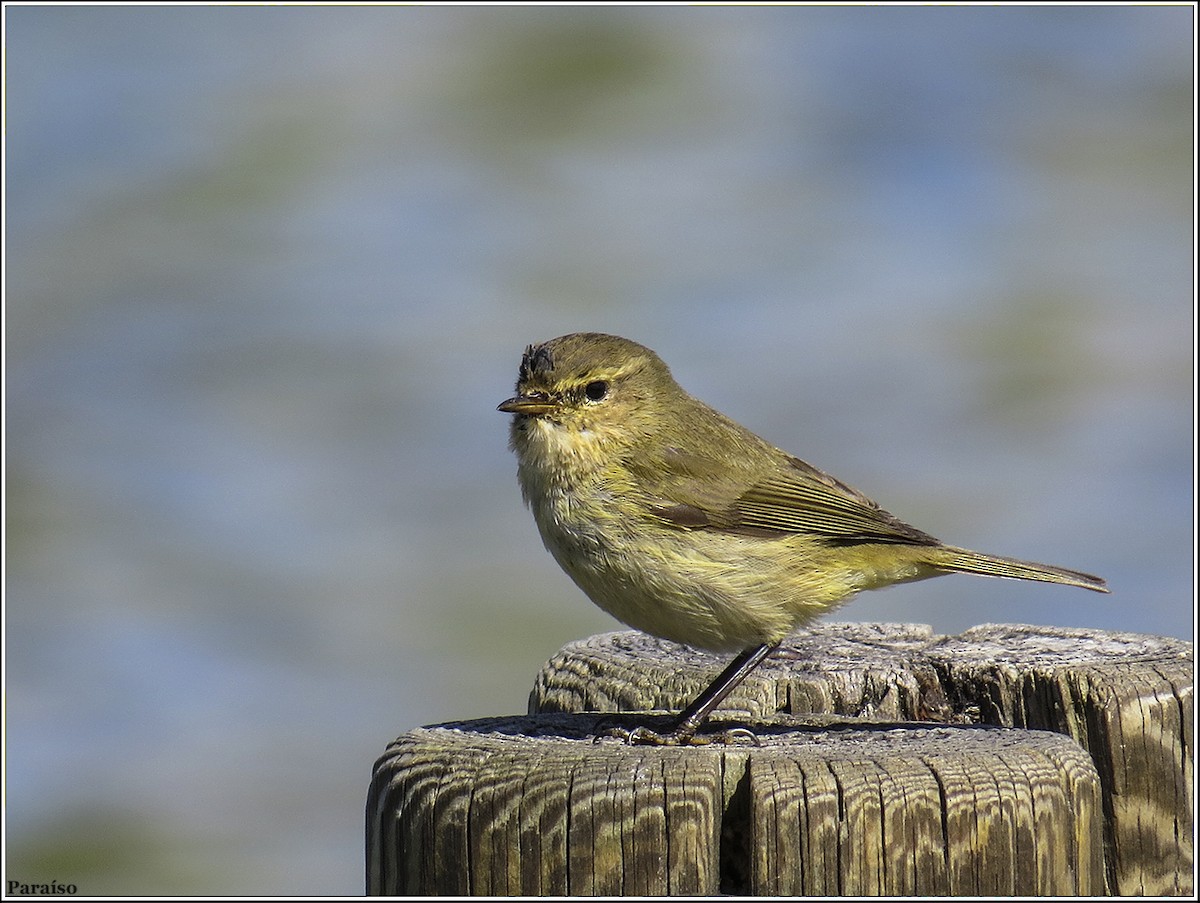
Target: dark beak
(529, 403)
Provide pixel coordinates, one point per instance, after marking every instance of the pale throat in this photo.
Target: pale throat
(558, 442)
(563, 459)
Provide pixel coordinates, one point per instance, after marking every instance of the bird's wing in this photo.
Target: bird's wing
(792, 497)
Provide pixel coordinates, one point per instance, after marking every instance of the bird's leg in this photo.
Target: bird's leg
(693, 716)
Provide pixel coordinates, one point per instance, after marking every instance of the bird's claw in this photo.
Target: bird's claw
(644, 736)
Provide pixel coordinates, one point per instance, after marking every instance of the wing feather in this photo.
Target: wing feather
(793, 498)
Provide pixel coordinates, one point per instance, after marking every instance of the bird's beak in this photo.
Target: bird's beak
(529, 403)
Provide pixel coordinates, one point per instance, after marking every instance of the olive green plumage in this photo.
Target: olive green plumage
(682, 523)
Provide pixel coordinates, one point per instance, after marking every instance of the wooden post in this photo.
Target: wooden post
(979, 798)
(1125, 698)
(533, 805)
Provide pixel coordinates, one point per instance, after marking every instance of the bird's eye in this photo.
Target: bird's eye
(596, 390)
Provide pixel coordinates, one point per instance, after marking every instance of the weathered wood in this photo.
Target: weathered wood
(1125, 698)
(532, 805)
(864, 670)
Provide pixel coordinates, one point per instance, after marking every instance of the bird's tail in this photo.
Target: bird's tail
(965, 561)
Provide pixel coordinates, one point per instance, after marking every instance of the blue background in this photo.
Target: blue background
(270, 269)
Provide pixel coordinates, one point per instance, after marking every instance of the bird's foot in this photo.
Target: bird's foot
(680, 735)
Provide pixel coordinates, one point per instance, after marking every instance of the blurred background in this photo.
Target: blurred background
(270, 270)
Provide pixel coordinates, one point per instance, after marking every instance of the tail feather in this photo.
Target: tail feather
(968, 562)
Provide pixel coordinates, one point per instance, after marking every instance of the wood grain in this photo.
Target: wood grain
(1127, 699)
(534, 805)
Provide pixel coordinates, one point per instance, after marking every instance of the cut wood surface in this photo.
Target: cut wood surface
(1127, 699)
(534, 805)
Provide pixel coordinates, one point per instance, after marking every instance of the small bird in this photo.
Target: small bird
(683, 524)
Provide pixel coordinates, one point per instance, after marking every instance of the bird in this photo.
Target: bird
(685, 525)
